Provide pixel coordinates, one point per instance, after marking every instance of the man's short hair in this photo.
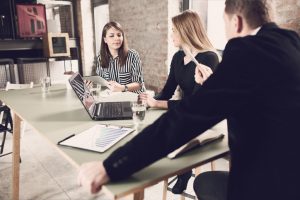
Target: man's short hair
(255, 12)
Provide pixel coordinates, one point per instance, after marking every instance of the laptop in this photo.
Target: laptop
(100, 110)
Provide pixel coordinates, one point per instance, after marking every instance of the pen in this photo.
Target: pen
(66, 138)
(193, 58)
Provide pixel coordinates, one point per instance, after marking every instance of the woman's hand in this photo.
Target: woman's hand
(88, 83)
(115, 86)
(151, 102)
(202, 72)
(92, 176)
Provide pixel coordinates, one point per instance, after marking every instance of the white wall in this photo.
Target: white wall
(86, 32)
(173, 10)
(101, 17)
(215, 23)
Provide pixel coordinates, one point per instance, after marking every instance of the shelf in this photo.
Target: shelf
(20, 44)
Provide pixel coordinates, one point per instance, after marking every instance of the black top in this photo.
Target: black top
(257, 88)
(183, 75)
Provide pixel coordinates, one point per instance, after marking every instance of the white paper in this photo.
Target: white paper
(97, 138)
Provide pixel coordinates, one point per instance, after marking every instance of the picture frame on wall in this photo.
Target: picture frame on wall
(56, 45)
(31, 20)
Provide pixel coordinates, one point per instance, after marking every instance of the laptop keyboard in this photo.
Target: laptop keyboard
(110, 109)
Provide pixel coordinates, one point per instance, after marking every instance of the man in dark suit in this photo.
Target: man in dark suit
(257, 88)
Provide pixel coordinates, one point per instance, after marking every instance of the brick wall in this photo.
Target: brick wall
(147, 26)
(287, 14)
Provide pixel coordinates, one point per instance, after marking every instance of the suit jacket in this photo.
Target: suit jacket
(257, 88)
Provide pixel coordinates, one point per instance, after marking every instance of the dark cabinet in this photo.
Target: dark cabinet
(7, 22)
(25, 1)
(7, 17)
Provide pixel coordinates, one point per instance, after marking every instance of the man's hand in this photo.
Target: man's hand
(202, 72)
(92, 176)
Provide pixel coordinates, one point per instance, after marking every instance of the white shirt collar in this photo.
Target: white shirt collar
(255, 31)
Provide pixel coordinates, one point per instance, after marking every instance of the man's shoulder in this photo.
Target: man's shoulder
(250, 45)
(267, 39)
(237, 46)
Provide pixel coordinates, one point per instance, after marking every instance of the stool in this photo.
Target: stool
(9, 70)
(184, 194)
(22, 61)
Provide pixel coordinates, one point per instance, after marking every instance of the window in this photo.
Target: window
(211, 14)
(59, 16)
(101, 17)
(215, 23)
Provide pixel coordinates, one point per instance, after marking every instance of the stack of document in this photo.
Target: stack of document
(98, 138)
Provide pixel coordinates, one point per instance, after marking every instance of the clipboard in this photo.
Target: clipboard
(98, 138)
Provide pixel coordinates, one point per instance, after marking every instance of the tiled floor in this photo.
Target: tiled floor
(46, 175)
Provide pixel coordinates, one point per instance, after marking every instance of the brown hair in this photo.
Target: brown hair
(104, 51)
(191, 30)
(256, 12)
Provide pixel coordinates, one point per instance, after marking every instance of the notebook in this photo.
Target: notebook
(98, 138)
(101, 110)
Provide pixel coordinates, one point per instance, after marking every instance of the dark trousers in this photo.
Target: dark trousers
(211, 185)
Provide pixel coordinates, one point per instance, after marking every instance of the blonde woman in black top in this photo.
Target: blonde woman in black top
(118, 64)
(190, 37)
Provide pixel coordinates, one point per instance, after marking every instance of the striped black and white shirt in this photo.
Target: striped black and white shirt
(129, 73)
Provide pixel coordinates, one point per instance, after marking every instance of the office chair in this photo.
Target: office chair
(6, 117)
(5, 121)
(16, 86)
(221, 127)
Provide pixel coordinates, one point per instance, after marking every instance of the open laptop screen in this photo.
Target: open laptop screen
(83, 93)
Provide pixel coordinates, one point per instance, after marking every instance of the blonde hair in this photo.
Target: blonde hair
(191, 31)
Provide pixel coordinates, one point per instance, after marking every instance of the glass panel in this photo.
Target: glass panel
(59, 16)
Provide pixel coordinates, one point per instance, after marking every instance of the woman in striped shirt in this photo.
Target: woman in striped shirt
(118, 64)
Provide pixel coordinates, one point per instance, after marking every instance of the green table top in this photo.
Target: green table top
(59, 113)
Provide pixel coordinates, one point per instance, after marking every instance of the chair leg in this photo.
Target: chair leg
(212, 166)
(1, 117)
(5, 154)
(16, 158)
(3, 142)
(165, 189)
(197, 171)
(138, 195)
(4, 126)
(10, 121)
